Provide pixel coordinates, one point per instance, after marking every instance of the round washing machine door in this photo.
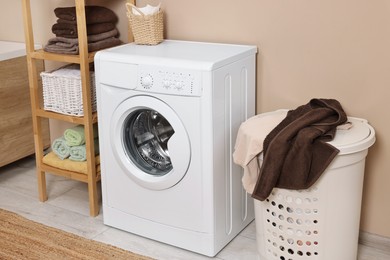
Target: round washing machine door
(150, 142)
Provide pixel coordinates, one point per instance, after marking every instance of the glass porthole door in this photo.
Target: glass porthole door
(150, 142)
(145, 136)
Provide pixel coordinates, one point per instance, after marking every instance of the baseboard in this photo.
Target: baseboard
(374, 241)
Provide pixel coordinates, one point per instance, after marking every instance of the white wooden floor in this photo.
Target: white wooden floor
(67, 209)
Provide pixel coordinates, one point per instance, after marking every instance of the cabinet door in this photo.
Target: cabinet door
(16, 130)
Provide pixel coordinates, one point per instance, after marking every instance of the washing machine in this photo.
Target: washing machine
(168, 119)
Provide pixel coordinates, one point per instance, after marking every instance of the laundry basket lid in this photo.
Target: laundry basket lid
(355, 139)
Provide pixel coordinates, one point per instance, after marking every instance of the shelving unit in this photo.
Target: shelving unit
(38, 113)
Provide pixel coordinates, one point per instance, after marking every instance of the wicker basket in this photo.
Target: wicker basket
(147, 29)
(62, 92)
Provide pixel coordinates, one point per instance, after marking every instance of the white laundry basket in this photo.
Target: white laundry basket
(322, 222)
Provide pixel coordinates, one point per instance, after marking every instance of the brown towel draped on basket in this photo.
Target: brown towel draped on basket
(69, 30)
(93, 14)
(295, 151)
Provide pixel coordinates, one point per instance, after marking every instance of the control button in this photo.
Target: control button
(147, 81)
(166, 84)
(179, 85)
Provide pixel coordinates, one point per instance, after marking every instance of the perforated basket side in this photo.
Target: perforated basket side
(291, 224)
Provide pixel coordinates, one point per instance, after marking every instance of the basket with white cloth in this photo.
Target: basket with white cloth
(62, 90)
(146, 24)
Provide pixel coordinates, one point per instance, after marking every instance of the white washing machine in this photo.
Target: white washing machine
(168, 119)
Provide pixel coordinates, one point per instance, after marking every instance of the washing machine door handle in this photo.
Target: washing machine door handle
(179, 152)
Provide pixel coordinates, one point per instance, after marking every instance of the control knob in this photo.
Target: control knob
(179, 85)
(147, 81)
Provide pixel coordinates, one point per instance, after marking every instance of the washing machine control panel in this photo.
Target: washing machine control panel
(167, 80)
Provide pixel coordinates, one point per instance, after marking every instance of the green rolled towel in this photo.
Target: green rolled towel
(79, 152)
(60, 148)
(75, 136)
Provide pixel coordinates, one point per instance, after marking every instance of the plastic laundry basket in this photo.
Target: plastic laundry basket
(322, 222)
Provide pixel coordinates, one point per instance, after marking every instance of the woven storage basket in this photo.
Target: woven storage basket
(147, 29)
(62, 91)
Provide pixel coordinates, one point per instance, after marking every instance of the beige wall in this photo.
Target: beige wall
(43, 18)
(332, 49)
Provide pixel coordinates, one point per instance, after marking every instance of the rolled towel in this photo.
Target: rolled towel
(75, 136)
(79, 152)
(93, 14)
(60, 148)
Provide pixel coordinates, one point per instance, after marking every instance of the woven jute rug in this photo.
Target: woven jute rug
(21, 238)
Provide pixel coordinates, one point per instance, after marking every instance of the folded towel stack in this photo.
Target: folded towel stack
(72, 144)
(101, 30)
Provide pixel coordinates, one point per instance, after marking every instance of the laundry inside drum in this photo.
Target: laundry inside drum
(146, 136)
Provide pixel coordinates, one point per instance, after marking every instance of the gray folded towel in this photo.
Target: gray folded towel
(90, 38)
(64, 47)
(96, 42)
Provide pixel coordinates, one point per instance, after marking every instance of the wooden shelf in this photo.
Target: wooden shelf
(66, 173)
(67, 118)
(43, 55)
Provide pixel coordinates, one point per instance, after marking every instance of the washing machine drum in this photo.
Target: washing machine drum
(150, 143)
(146, 135)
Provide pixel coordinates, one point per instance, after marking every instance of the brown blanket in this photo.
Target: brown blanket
(69, 30)
(295, 151)
(93, 14)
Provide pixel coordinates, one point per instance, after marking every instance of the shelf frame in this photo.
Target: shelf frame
(88, 120)
(43, 55)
